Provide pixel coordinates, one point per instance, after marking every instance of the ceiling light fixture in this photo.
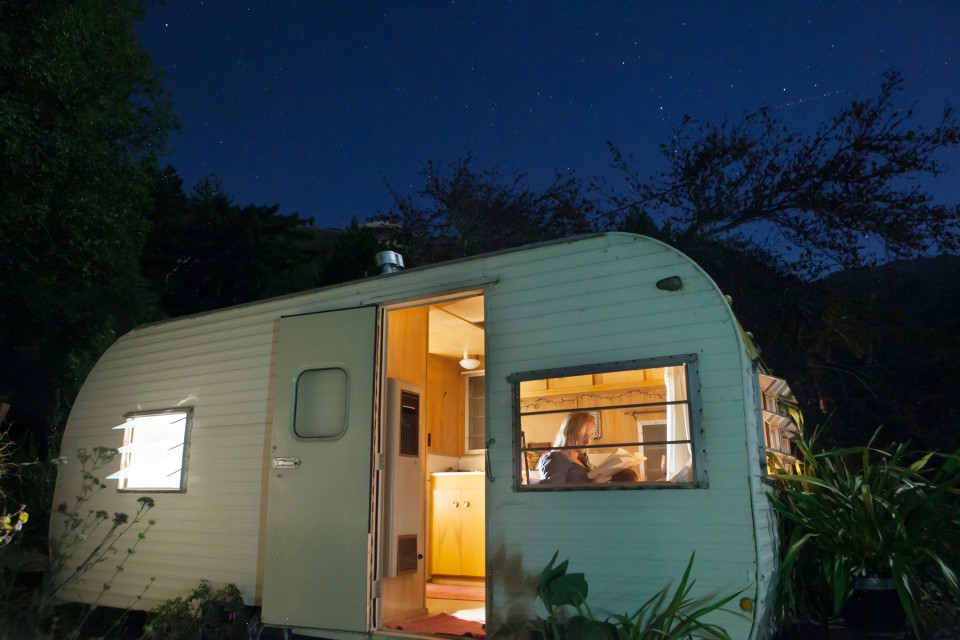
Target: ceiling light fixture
(469, 362)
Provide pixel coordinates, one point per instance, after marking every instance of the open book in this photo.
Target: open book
(616, 461)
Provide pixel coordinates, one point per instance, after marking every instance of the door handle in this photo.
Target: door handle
(285, 463)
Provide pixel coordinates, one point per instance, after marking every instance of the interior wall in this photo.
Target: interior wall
(407, 333)
(444, 406)
(615, 426)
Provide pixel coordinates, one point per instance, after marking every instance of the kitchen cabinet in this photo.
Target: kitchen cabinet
(457, 537)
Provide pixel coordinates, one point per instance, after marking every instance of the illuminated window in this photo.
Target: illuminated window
(628, 424)
(779, 431)
(153, 452)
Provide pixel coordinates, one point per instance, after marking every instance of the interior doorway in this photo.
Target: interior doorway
(435, 353)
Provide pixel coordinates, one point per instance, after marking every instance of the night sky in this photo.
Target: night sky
(317, 106)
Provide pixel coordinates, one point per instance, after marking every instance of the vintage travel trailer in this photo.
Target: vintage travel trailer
(345, 454)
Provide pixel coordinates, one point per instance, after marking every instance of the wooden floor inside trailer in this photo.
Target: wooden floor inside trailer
(455, 607)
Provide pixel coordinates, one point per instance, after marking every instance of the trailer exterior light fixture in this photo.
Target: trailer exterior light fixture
(470, 362)
(673, 283)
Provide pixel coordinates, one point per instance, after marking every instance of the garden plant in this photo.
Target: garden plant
(205, 614)
(665, 616)
(86, 538)
(866, 512)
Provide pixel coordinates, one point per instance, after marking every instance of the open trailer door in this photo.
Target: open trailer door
(316, 563)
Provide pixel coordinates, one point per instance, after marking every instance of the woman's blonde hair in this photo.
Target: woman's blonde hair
(572, 429)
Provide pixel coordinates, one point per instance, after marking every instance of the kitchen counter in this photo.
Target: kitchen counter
(457, 473)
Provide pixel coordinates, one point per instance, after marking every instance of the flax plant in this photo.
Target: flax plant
(865, 512)
(678, 616)
(665, 616)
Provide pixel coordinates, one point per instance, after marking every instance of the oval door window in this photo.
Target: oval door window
(320, 403)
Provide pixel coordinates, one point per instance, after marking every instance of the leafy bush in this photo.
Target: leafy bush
(203, 615)
(12, 519)
(866, 512)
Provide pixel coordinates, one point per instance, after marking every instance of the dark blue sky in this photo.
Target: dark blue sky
(315, 105)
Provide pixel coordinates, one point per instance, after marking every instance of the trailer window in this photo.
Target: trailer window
(779, 430)
(320, 403)
(616, 425)
(153, 452)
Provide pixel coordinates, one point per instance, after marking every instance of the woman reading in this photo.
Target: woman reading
(568, 462)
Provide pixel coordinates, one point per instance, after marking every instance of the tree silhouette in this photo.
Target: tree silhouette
(814, 202)
(82, 117)
(470, 211)
(206, 252)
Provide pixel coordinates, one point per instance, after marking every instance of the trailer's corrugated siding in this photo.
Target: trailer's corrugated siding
(211, 531)
(588, 307)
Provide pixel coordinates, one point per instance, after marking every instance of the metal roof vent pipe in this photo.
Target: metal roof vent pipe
(389, 261)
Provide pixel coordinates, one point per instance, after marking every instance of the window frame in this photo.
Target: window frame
(695, 418)
(127, 459)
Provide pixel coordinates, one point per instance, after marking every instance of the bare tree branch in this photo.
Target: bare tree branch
(833, 196)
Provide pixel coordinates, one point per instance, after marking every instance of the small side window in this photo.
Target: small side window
(320, 409)
(153, 453)
(613, 425)
(475, 440)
